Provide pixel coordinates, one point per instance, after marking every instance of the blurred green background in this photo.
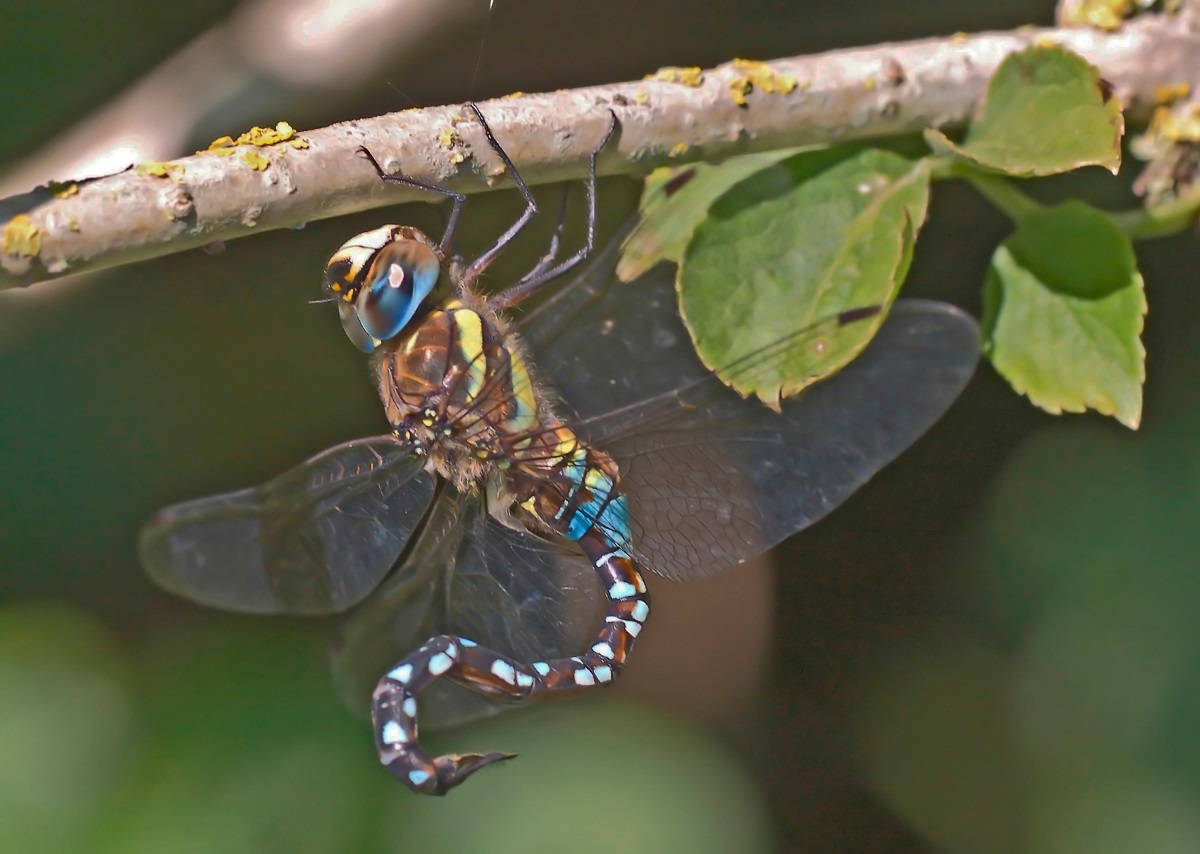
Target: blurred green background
(993, 647)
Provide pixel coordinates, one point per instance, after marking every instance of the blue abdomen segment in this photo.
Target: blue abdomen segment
(603, 511)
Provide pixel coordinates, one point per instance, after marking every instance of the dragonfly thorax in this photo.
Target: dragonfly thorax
(458, 384)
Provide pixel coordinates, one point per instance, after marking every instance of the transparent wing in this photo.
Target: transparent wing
(468, 575)
(317, 539)
(726, 481)
(713, 479)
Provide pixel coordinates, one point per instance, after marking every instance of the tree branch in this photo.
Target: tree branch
(848, 94)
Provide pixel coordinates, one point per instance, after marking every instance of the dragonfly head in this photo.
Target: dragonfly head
(379, 279)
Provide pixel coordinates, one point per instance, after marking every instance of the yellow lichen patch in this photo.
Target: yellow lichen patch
(282, 132)
(766, 78)
(678, 150)
(222, 147)
(72, 225)
(514, 94)
(255, 160)
(450, 139)
(641, 98)
(62, 191)
(758, 75)
(1168, 93)
(1179, 124)
(1100, 14)
(739, 88)
(1169, 128)
(21, 237)
(690, 76)
(153, 168)
(258, 136)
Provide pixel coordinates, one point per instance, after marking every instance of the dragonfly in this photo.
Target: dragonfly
(490, 547)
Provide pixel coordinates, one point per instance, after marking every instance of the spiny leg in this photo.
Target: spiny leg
(547, 260)
(447, 240)
(394, 705)
(481, 263)
(544, 271)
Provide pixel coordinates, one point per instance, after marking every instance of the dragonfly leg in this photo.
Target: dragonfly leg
(547, 261)
(546, 270)
(447, 241)
(394, 705)
(481, 263)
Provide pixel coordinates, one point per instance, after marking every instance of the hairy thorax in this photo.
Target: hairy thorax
(460, 386)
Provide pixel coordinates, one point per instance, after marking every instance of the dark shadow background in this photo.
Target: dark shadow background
(990, 648)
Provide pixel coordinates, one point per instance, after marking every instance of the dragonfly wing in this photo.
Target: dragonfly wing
(722, 483)
(713, 479)
(598, 341)
(317, 539)
(468, 575)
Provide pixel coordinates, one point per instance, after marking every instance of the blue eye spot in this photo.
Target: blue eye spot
(398, 280)
(386, 287)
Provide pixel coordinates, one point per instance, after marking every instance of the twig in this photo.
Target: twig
(849, 94)
(315, 51)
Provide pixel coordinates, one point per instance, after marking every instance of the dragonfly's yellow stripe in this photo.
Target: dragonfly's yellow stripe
(470, 345)
(522, 391)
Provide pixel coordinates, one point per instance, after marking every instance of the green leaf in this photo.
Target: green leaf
(1063, 310)
(676, 199)
(786, 251)
(1046, 111)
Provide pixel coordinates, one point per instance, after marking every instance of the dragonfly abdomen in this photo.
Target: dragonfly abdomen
(573, 491)
(573, 494)
(569, 488)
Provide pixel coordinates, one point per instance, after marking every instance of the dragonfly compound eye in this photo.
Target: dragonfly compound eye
(380, 279)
